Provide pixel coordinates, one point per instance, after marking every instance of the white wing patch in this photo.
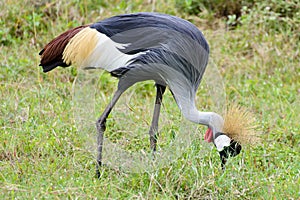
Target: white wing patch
(90, 48)
(106, 54)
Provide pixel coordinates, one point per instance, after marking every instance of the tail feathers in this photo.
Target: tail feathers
(52, 54)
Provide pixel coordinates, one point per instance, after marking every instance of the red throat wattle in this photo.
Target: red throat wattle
(208, 137)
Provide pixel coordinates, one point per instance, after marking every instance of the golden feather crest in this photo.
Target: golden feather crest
(240, 125)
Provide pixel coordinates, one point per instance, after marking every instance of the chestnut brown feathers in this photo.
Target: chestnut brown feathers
(51, 55)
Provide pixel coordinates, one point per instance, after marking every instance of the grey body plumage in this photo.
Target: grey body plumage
(150, 46)
(175, 53)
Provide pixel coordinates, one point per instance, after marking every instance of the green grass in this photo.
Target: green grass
(44, 154)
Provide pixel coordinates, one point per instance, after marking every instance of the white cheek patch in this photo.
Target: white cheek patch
(222, 141)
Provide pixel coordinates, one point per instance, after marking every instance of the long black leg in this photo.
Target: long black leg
(101, 127)
(153, 132)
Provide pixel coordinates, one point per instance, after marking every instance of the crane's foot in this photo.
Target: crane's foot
(98, 173)
(153, 142)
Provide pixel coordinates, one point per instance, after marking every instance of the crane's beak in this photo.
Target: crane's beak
(226, 147)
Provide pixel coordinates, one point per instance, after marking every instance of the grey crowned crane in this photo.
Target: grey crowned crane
(138, 47)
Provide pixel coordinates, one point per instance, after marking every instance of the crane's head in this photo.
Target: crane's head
(226, 146)
(237, 127)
